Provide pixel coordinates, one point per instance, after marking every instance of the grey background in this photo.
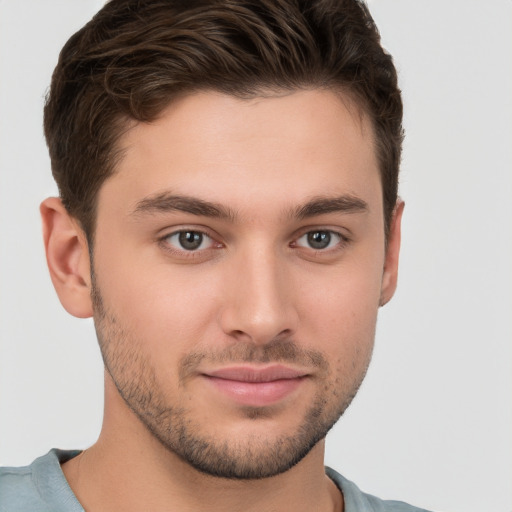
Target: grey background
(433, 421)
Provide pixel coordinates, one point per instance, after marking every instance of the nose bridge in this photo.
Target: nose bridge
(260, 304)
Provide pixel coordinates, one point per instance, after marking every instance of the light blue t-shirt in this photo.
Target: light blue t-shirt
(42, 487)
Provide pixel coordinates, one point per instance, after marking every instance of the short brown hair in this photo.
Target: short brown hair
(135, 56)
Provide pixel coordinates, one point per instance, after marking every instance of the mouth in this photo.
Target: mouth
(255, 386)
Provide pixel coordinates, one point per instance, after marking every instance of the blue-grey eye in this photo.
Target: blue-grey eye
(189, 240)
(319, 240)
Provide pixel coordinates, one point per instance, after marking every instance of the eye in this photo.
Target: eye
(188, 240)
(319, 240)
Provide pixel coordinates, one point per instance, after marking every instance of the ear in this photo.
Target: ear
(390, 274)
(67, 255)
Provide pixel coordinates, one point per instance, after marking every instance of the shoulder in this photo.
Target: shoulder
(358, 501)
(14, 484)
(37, 487)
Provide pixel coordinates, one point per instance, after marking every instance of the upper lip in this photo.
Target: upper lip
(255, 374)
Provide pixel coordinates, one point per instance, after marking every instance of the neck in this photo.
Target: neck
(128, 469)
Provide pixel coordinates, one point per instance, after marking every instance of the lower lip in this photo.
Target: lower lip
(256, 394)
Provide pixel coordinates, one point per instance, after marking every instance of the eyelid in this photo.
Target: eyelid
(205, 240)
(196, 228)
(337, 239)
(183, 253)
(341, 232)
(343, 239)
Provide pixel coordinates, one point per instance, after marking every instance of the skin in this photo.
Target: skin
(255, 293)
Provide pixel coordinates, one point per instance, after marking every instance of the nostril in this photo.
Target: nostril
(285, 333)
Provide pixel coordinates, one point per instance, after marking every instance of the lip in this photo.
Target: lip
(252, 374)
(256, 387)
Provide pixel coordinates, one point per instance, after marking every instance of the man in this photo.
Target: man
(228, 214)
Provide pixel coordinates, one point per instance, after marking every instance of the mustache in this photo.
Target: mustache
(275, 351)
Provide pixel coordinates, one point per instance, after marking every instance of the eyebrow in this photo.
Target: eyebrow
(168, 202)
(322, 205)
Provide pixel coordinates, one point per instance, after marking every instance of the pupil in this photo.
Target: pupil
(190, 240)
(319, 239)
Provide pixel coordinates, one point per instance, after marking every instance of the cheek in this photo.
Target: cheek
(166, 309)
(340, 312)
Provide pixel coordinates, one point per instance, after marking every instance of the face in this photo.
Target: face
(238, 270)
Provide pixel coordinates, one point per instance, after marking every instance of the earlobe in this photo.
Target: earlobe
(390, 273)
(67, 255)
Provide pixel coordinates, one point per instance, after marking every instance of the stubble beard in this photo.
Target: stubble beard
(253, 457)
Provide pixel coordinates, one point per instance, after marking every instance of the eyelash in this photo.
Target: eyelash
(184, 253)
(341, 243)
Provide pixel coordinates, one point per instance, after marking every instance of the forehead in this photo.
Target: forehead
(222, 148)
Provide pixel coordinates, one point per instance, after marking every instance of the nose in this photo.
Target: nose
(260, 300)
